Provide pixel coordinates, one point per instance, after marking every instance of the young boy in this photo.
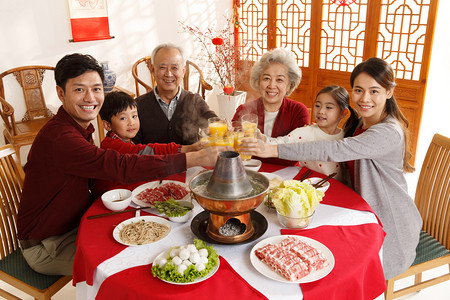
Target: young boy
(120, 118)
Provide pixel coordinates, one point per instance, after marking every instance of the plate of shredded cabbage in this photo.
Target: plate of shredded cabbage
(186, 264)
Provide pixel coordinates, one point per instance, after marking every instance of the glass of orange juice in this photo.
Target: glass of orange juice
(217, 126)
(239, 135)
(226, 140)
(249, 124)
(203, 134)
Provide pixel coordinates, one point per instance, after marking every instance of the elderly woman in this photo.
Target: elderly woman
(276, 75)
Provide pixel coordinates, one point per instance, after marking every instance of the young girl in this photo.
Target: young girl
(330, 107)
(380, 154)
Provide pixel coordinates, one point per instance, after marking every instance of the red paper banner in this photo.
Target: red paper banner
(89, 20)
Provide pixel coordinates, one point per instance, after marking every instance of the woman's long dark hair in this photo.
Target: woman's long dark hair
(382, 72)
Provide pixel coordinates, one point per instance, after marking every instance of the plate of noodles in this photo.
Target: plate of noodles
(141, 230)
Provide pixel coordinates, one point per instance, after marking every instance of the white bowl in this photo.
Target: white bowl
(117, 199)
(314, 180)
(252, 164)
(187, 216)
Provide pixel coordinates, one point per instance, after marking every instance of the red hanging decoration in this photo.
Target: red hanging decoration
(343, 2)
(228, 89)
(217, 41)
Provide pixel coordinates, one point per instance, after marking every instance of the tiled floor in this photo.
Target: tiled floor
(66, 293)
(437, 292)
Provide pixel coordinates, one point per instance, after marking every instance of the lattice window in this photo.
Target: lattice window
(288, 27)
(330, 37)
(401, 37)
(293, 24)
(402, 25)
(342, 36)
(253, 28)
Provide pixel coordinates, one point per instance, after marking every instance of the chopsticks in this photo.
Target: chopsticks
(114, 213)
(320, 183)
(306, 175)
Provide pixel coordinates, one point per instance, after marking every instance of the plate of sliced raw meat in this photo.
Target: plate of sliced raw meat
(145, 195)
(292, 259)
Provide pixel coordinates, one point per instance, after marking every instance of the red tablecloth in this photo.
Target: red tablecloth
(89, 255)
(142, 285)
(269, 168)
(357, 271)
(139, 279)
(339, 194)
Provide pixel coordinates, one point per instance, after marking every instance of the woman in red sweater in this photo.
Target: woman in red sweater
(276, 75)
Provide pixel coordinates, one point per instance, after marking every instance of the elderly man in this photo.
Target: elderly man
(62, 161)
(169, 113)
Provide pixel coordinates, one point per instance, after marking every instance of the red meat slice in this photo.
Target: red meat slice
(292, 258)
(164, 189)
(284, 262)
(306, 252)
(177, 191)
(162, 193)
(150, 196)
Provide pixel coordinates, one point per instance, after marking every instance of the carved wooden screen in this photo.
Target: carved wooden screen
(329, 40)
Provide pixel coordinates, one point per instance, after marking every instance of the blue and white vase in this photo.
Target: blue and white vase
(110, 78)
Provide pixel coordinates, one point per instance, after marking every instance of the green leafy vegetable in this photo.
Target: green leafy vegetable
(268, 201)
(172, 208)
(296, 199)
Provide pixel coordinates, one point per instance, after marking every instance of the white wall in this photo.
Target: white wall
(436, 112)
(37, 32)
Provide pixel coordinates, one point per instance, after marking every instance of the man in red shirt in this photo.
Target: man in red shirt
(62, 161)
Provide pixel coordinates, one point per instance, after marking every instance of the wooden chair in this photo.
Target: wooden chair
(14, 270)
(433, 201)
(100, 128)
(23, 132)
(311, 117)
(191, 70)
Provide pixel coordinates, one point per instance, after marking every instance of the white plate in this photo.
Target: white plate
(252, 164)
(313, 180)
(152, 185)
(116, 231)
(271, 176)
(313, 276)
(199, 279)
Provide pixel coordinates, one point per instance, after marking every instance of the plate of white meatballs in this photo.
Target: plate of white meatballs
(185, 264)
